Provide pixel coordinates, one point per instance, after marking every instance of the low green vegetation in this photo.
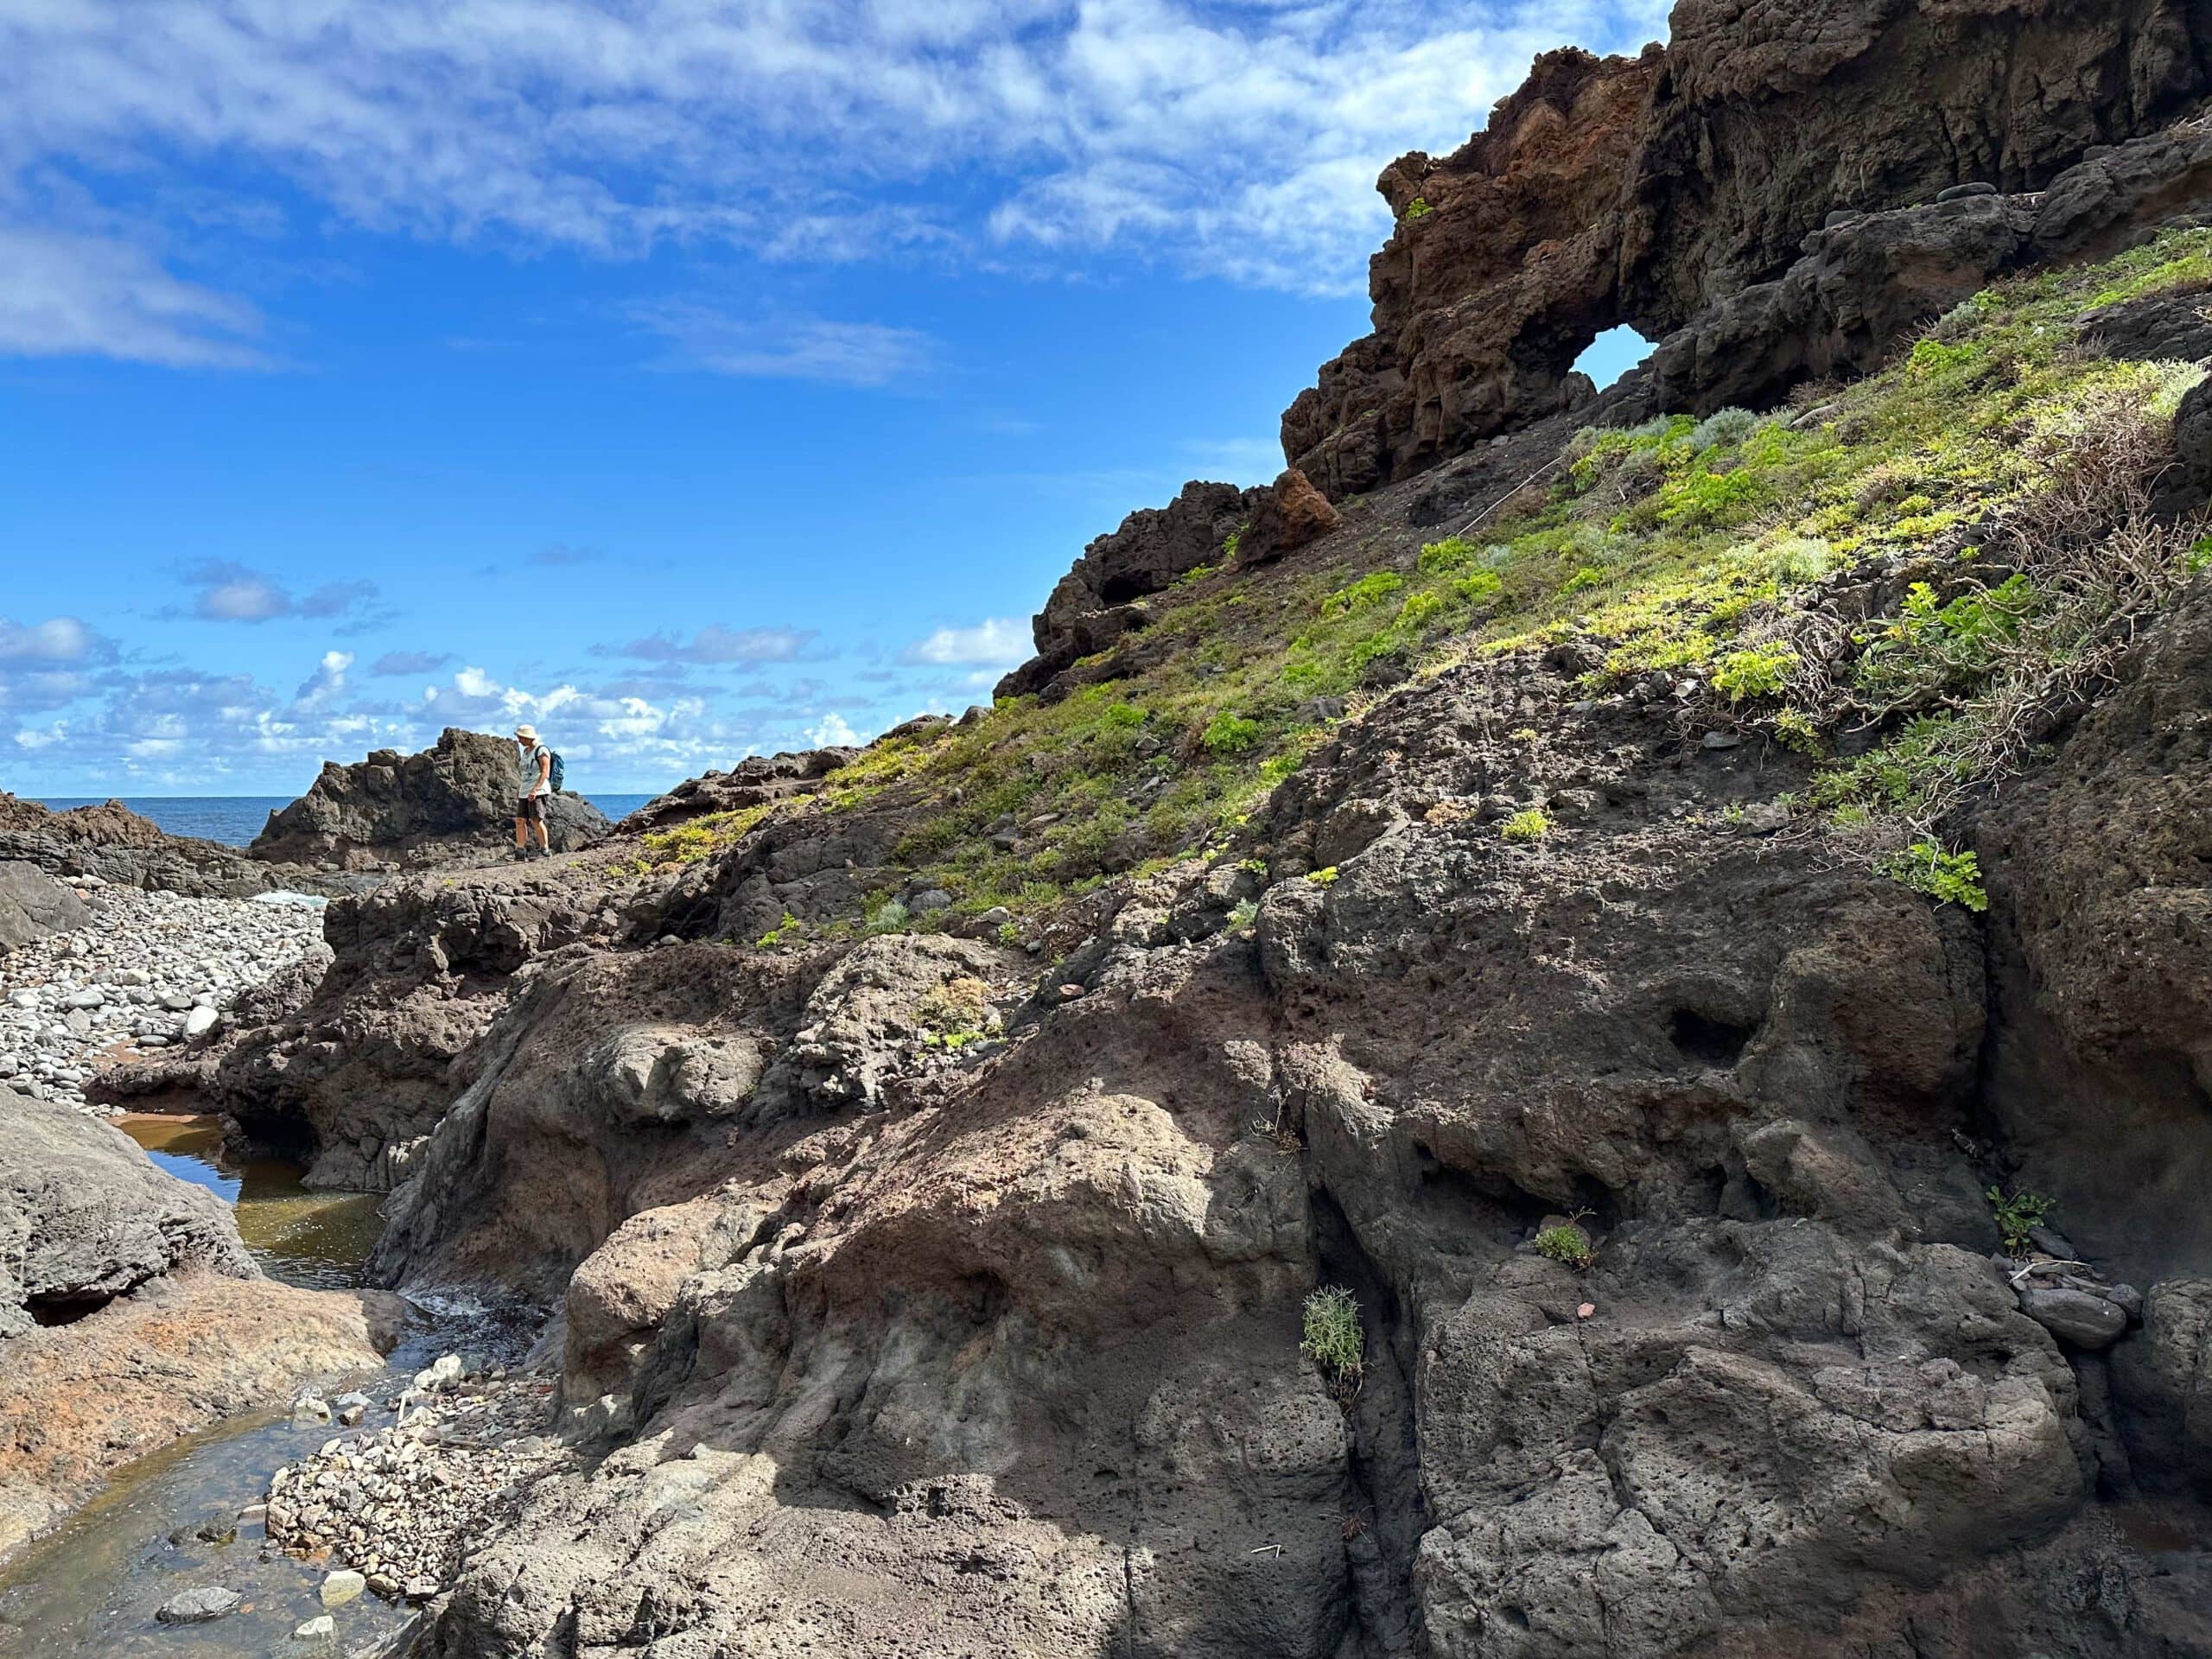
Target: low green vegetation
(2016, 1215)
(1332, 1338)
(1990, 479)
(1565, 1244)
(1525, 826)
(1948, 878)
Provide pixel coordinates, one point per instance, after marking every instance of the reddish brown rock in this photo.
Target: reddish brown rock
(1290, 515)
(1642, 191)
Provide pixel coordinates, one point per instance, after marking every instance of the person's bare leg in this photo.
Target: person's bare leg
(522, 837)
(544, 839)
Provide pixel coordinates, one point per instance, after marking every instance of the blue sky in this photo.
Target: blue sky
(692, 378)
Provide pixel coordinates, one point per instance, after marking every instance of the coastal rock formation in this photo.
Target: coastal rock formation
(353, 1078)
(755, 781)
(116, 845)
(84, 1219)
(456, 798)
(1096, 603)
(1451, 1084)
(1646, 191)
(33, 905)
(130, 1313)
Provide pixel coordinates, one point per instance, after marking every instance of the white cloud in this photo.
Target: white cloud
(58, 639)
(67, 294)
(230, 593)
(716, 643)
(832, 732)
(1238, 140)
(996, 640)
(806, 348)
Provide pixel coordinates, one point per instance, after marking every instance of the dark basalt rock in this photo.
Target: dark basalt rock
(33, 905)
(455, 799)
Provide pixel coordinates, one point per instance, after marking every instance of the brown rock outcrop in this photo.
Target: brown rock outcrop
(394, 811)
(1644, 191)
(1095, 604)
(1289, 515)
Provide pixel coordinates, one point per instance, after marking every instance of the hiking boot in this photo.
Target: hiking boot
(519, 854)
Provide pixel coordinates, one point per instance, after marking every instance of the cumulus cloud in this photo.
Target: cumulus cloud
(57, 640)
(225, 592)
(996, 640)
(832, 732)
(717, 644)
(1239, 140)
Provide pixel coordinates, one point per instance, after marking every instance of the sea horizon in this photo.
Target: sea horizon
(235, 820)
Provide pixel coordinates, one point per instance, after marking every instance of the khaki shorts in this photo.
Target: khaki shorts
(531, 809)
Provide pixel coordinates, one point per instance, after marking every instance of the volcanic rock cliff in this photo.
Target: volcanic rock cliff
(1646, 192)
(1598, 1046)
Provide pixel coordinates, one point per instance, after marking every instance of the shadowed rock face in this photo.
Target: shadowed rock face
(1645, 191)
(455, 797)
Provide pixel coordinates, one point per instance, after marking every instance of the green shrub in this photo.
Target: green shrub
(1722, 429)
(1122, 717)
(889, 917)
(1228, 734)
(1948, 878)
(1529, 824)
(783, 932)
(1371, 589)
(1332, 1338)
(2016, 1215)
(1762, 671)
(1419, 208)
(1324, 878)
(1568, 1245)
(1452, 553)
(1244, 913)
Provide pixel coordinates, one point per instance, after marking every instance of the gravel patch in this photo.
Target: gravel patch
(151, 971)
(400, 1504)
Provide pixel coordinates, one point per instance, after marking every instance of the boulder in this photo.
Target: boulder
(85, 1217)
(1290, 514)
(454, 798)
(33, 905)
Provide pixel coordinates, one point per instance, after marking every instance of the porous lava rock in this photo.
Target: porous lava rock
(454, 798)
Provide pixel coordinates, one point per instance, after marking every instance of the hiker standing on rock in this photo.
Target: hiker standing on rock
(534, 785)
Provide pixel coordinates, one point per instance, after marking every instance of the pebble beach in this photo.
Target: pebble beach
(151, 972)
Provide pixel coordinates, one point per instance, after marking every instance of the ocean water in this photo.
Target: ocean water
(234, 820)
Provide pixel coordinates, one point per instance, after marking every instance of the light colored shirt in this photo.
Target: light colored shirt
(528, 762)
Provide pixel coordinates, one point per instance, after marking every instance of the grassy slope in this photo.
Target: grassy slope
(1968, 477)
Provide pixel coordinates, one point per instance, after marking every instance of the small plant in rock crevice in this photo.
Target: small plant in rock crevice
(2016, 1216)
(1948, 878)
(1566, 1243)
(1332, 1338)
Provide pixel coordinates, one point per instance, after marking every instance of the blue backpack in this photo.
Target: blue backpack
(553, 775)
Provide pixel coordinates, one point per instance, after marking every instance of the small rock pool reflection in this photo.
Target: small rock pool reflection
(91, 1586)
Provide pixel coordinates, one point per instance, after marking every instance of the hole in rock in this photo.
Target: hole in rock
(63, 1310)
(1611, 355)
(1119, 590)
(1709, 1041)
